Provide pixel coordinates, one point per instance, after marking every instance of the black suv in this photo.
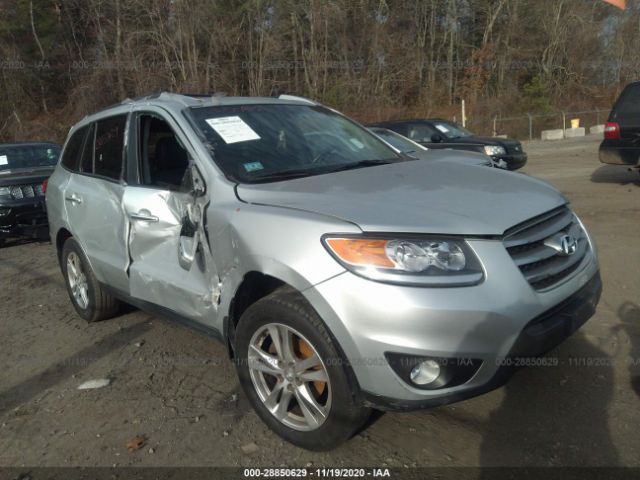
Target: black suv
(437, 133)
(23, 169)
(621, 144)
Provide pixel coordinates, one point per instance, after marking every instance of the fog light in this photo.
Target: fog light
(425, 372)
(4, 212)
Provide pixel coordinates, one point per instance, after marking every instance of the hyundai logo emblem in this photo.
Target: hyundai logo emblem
(563, 243)
(568, 245)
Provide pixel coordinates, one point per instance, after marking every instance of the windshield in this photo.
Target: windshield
(451, 130)
(254, 143)
(14, 157)
(398, 141)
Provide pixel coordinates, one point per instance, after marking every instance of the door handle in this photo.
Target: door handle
(143, 217)
(73, 198)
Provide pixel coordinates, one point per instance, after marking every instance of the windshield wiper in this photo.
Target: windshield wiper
(360, 164)
(285, 174)
(306, 172)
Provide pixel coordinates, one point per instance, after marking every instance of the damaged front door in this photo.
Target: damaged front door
(170, 259)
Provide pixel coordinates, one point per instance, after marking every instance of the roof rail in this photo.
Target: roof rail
(298, 99)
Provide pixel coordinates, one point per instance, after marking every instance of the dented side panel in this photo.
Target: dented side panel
(282, 243)
(155, 272)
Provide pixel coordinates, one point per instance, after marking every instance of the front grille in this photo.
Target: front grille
(18, 192)
(514, 149)
(531, 245)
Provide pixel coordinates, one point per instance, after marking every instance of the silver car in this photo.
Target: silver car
(342, 275)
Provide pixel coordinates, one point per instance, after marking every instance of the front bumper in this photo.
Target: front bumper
(513, 161)
(495, 322)
(24, 218)
(541, 334)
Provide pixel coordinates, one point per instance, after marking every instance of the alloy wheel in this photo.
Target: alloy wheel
(289, 376)
(77, 280)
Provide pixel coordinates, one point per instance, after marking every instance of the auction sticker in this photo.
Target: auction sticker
(232, 129)
(4, 160)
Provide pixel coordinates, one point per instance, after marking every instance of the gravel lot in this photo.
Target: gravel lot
(178, 390)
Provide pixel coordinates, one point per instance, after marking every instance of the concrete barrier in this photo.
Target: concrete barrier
(596, 129)
(574, 132)
(552, 134)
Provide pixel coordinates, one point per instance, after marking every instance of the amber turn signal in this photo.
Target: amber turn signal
(360, 251)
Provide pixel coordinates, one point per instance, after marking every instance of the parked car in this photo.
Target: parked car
(341, 275)
(23, 168)
(441, 134)
(414, 149)
(621, 144)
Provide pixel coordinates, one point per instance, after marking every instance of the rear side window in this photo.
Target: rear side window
(72, 151)
(109, 147)
(419, 132)
(629, 102)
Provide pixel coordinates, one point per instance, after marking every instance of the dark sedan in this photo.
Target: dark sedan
(23, 169)
(441, 134)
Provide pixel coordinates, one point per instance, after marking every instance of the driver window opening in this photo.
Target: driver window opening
(164, 161)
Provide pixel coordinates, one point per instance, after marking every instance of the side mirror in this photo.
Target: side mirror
(436, 138)
(194, 181)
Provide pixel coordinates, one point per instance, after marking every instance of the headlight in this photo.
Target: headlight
(436, 261)
(493, 150)
(5, 192)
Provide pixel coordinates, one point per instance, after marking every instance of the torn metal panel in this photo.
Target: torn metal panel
(158, 220)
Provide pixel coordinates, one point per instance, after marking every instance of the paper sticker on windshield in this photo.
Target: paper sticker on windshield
(357, 143)
(442, 128)
(232, 129)
(4, 160)
(253, 166)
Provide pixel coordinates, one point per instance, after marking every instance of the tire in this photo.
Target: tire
(95, 304)
(285, 314)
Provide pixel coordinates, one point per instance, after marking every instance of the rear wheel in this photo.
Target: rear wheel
(292, 374)
(89, 299)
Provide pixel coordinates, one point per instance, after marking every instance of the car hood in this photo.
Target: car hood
(455, 156)
(415, 197)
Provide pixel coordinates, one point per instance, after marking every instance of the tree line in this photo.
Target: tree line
(373, 59)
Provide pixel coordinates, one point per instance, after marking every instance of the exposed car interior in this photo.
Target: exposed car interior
(164, 159)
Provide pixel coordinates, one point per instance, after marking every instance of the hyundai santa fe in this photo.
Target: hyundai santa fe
(342, 275)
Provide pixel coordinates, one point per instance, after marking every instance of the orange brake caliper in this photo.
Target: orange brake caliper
(305, 352)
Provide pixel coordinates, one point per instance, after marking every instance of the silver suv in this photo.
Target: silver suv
(342, 275)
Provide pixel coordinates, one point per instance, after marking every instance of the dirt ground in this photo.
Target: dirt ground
(178, 390)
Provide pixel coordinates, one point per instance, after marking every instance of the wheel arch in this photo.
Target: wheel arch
(256, 285)
(62, 236)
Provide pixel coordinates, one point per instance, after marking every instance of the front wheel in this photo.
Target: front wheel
(292, 374)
